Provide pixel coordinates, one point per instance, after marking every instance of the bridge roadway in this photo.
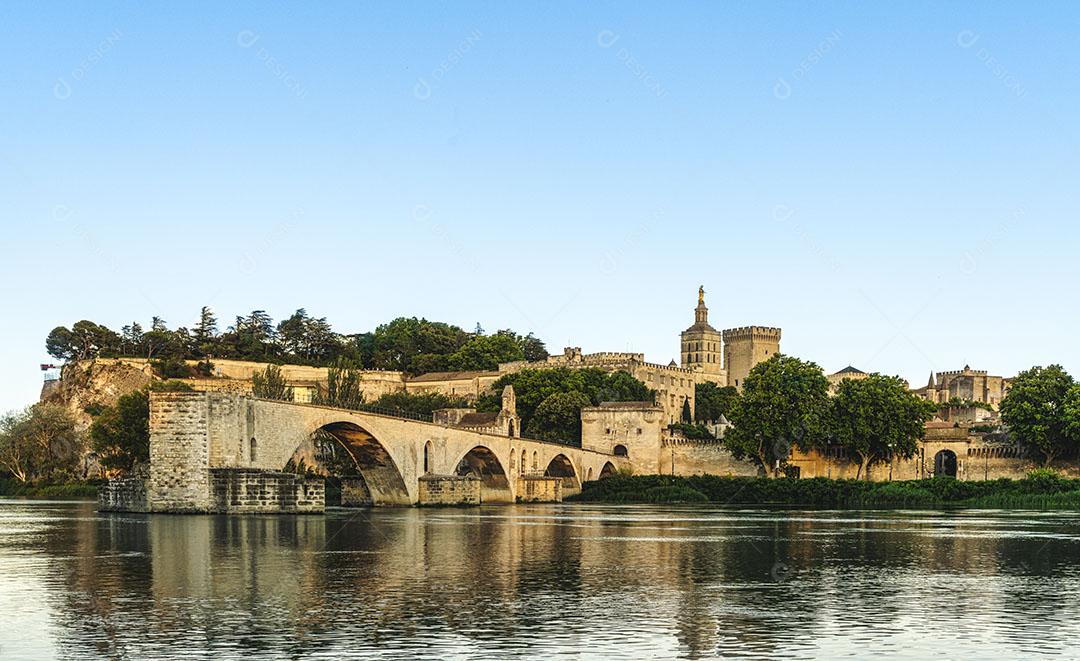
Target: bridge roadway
(190, 432)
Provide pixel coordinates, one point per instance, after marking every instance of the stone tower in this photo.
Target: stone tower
(745, 347)
(701, 342)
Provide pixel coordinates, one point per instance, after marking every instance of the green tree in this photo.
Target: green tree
(1036, 411)
(712, 401)
(342, 387)
(205, 332)
(878, 418)
(686, 418)
(485, 352)
(784, 404)
(270, 384)
(558, 418)
(399, 342)
(533, 387)
(417, 404)
(39, 442)
(120, 435)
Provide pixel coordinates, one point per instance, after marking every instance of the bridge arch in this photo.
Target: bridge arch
(607, 471)
(561, 467)
(372, 461)
(494, 483)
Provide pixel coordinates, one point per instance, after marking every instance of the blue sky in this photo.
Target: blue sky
(895, 186)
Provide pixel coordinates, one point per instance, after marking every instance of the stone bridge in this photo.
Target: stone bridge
(193, 435)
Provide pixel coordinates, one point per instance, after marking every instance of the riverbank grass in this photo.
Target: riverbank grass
(15, 489)
(1039, 490)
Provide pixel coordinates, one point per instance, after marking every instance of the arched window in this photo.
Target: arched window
(513, 465)
(252, 450)
(427, 457)
(536, 460)
(511, 432)
(522, 462)
(620, 451)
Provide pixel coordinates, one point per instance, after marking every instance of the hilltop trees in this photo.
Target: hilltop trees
(410, 345)
(1042, 411)
(877, 419)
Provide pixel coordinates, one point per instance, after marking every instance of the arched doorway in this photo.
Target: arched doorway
(344, 451)
(481, 462)
(607, 471)
(945, 463)
(561, 467)
(427, 457)
(620, 451)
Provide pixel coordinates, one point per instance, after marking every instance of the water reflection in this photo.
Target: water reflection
(516, 582)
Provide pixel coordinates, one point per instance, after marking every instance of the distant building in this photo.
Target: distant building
(966, 385)
(848, 372)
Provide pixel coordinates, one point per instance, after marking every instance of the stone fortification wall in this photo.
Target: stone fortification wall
(682, 456)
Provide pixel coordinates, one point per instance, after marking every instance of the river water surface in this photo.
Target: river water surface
(537, 582)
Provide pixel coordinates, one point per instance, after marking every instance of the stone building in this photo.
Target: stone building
(625, 429)
(702, 344)
(848, 373)
(745, 347)
(504, 423)
(967, 385)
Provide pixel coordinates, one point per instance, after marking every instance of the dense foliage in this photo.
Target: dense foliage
(1042, 412)
(1039, 489)
(877, 419)
(270, 384)
(534, 387)
(784, 404)
(712, 401)
(420, 405)
(39, 443)
(407, 344)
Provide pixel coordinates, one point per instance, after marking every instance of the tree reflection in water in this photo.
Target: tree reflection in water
(528, 581)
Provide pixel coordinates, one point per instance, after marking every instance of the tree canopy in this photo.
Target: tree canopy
(784, 404)
(1042, 411)
(712, 401)
(406, 344)
(878, 418)
(533, 387)
(39, 442)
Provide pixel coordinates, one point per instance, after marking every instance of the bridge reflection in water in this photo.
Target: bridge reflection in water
(523, 581)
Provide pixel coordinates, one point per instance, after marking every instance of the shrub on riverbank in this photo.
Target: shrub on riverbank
(17, 489)
(1040, 490)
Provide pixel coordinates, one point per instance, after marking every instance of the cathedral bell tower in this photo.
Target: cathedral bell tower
(701, 342)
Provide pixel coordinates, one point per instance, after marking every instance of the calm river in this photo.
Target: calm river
(536, 582)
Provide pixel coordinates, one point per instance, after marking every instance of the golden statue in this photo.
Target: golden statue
(701, 295)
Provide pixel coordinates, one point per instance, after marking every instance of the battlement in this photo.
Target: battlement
(766, 332)
(963, 372)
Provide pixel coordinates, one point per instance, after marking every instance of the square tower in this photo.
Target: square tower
(747, 346)
(701, 343)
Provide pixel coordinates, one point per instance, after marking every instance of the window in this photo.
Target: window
(427, 457)
(252, 450)
(620, 451)
(639, 431)
(607, 430)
